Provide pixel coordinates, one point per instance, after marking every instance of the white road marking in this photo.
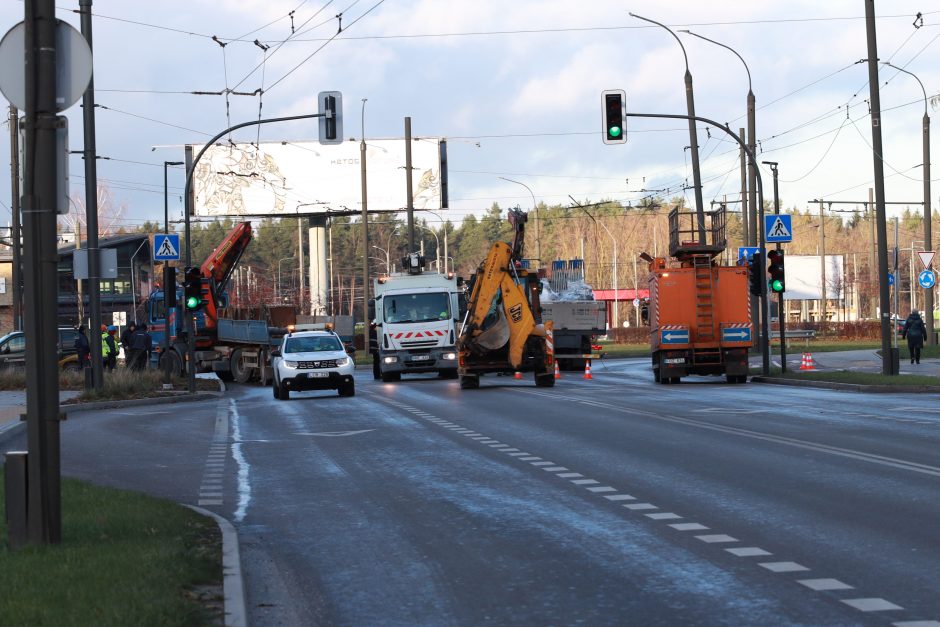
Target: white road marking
(519, 454)
(511, 450)
(824, 584)
(749, 551)
(871, 605)
(583, 481)
(499, 446)
(568, 475)
(244, 470)
(640, 506)
(917, 623)
(619, 497)
(601, 489)
(210, 502)
(530, 458)
(555, 469)
(716, 538)
(663, 516)
(783, 567)
(688, 527)
(543, 463)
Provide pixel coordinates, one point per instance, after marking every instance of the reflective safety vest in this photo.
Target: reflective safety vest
(105, 348)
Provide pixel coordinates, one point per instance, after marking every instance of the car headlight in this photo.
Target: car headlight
(391, 359)
(450, 356)
(290, 364)
(342, 361)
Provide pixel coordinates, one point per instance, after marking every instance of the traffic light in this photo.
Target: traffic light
(330, 108)
(755, 274)
(169, 285)
(614, 108)
(775, 269)
(192, 290)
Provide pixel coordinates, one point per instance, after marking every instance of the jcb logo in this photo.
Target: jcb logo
(515, 312)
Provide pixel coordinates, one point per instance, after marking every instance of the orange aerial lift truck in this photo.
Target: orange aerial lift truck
(700, 321)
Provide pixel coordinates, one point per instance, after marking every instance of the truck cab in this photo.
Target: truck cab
(414, 316)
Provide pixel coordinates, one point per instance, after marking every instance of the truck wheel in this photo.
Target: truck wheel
(391, 377)
(240, 372)
(469, 382)
(172, 361)
(347, 389)
(545, 380)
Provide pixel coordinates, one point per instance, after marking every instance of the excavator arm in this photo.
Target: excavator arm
(498, 310)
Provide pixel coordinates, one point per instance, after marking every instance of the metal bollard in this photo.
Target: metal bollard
(15, 484)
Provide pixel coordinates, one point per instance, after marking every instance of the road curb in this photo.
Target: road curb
(849, 387)
(233, 584)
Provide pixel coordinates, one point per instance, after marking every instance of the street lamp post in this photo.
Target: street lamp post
(693, 132)
(538, 228)
(444, 226)
(928, 235)
(388, 257)
(751, 216)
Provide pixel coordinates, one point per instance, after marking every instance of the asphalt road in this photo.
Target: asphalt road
(612, 501)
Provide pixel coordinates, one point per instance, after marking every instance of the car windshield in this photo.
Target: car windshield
(417, 307)
(311, 344)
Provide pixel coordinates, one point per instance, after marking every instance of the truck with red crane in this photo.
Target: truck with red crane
(235, 349)
(700, 318)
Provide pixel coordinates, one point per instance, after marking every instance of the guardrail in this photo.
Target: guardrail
(796, 334)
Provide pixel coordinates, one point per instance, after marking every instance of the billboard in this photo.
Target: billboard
(291, 178)
(804, 277)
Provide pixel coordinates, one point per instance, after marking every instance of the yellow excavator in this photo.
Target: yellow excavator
(502, 331)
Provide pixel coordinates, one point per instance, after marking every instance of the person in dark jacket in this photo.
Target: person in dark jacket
(914, 331)
(141, 348)
(126, 340)
(83, 348)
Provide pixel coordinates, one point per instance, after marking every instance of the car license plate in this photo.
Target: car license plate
(675, 360)
(420, 357)
(319, 375)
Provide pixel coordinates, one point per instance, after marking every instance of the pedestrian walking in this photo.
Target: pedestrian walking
(109, 347)
(83, 348)
(126, 342)
(914, 332)
(141, 348)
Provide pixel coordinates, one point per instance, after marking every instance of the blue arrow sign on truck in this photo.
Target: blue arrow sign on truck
(674, 336)
(740, 334)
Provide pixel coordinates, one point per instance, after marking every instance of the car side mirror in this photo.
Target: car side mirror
(5, 349)
(276, 352)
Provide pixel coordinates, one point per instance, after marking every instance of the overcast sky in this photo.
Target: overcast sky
(515, 88)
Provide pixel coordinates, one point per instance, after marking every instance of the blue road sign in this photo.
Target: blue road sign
(746, 252)
(890, 279)
(674, 336)
(166, 247)
(927, 279)
(778, 228)
(741, 334)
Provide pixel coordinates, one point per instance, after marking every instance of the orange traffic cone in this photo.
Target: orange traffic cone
(587, 370)
(557, 370)
(518, 375)
(807, 362)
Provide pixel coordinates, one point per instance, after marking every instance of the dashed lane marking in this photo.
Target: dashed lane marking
(868, 604)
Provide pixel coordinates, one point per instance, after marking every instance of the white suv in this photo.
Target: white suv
(312, 360)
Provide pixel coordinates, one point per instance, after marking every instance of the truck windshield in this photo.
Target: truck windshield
(426, 307)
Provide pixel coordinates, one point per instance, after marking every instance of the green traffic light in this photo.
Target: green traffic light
(614, 131)
(192, 302)
(776, 286)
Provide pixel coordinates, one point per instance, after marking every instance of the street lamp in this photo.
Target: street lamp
(388, 257)
(535, 207)
(752, 141)
(437, 250)
(928, 235)
(693, 132)
(614, 243)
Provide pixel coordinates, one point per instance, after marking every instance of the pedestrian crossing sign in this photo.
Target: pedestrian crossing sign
(778, 228)
(166, 247)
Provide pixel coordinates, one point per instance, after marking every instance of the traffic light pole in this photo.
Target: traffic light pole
(188, 199)
(764, 339)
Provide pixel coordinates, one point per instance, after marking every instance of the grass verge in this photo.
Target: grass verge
(125, 559)
(119, 384)
(859, 378)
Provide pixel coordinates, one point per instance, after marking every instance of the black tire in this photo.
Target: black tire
(172, 359)
(225, 375)
(545, 380)
(347, 389)
(285, 393)
(240, 372)
(276, 389)
(469, 382)
(656, 377)
(391, 377)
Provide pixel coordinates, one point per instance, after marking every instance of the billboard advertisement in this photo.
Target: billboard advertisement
(804, 277)
(291, 178)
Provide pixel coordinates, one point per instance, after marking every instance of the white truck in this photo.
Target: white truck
(414, 316)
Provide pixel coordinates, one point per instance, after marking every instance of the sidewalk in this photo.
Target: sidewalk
(13, 404)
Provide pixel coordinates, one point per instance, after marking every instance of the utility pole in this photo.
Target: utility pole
(745, 217)
(409, 202)
(91, 207)
(889, 355)
(15, 209)
(44, 510)
(365, 231)
(781, 301)
(822, 265)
